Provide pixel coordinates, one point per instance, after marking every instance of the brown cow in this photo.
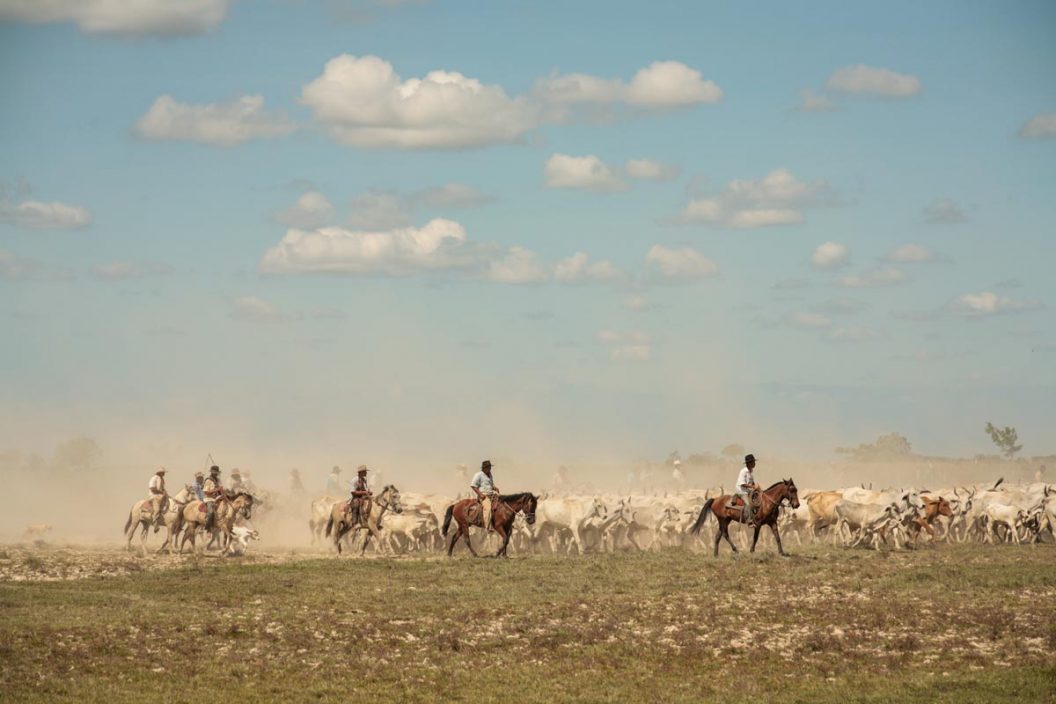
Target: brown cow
(933, 508)
(821, 505)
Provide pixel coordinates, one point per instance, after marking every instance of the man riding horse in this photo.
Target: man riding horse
(360, 493)
(213, 489)
(483, 485)
(158, 497)
(745, 490)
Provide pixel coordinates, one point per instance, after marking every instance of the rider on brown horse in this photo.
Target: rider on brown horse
(213, 489)
(483, 485)
(746, 489)
(360, 493)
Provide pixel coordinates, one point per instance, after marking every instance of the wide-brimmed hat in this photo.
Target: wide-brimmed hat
(362, 468)
(486, 464)
(161, 470)
(749, 458)
(199, 475)
(235, 473)
(214, 469)
(335, 470)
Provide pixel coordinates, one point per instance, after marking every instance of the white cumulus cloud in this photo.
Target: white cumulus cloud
(122, 17)
(986, 304)
(587, 173)
(518, 266)
(830, 255)
(398, 252)
(1041, 126)
(39, 215)
(686, 264)
(579, 269)
(660, 86)
(777, 199)
(217, 124)
(868, 80)
(365, 103)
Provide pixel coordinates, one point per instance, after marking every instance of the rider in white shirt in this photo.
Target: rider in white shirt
(746, 484)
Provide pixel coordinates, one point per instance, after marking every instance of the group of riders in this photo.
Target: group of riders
(209, 490)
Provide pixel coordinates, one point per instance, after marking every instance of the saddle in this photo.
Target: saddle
(735, 506)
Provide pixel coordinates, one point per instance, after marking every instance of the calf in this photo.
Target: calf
(240, 537)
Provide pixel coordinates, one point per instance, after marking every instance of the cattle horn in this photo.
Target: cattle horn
(997, 484)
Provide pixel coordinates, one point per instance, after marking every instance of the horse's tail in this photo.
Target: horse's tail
(329, 526)
(128, 523)
(702, 518)
(447, 519)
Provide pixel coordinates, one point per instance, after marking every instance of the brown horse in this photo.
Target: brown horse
(469, 512)
(194, 516)
(340, 522)
(771, 499)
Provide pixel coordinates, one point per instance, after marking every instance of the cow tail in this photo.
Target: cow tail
(447, 519)
(329, 526)
(702, 518)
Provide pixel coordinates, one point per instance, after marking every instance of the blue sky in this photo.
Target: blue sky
(140, 305)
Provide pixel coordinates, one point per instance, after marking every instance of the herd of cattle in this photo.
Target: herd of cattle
(566, 524)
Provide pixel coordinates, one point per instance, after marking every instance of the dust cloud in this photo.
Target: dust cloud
(84, 489)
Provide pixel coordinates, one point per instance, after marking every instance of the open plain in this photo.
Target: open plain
(960, 623)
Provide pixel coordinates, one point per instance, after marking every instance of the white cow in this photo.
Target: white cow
(240, 537)
(571, 514)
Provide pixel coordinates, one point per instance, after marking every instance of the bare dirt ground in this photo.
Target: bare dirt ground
(946, 623)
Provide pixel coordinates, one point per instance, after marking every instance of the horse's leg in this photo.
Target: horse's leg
(718, 537)
(777, 537)
(726, 534)
(465, 537)
(143, 538)
(132, 526)
(755, 537)
(505, 536)
(454, 539)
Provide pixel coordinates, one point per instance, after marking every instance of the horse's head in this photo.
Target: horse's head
(793, 493)
(531, 501)
(243, 503)
(390, 497)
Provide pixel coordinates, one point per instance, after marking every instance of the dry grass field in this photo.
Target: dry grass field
(947, 623)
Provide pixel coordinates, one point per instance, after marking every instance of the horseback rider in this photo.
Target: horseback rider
(158, 496)
(333, 482)
(745, 486)
(483, 485)
(236, 482)
(360, 493)
(214, 492)
(199, 480)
